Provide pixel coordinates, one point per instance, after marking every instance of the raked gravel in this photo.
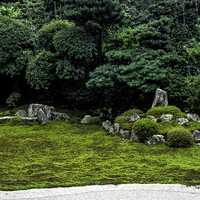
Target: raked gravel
(108, 192)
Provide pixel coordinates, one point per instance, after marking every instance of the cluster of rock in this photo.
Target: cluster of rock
(115, 129)
(37, 112)
(161, 99)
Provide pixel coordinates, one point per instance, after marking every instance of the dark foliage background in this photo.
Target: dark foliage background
(100, 54)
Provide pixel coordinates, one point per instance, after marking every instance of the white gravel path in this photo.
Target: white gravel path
(108, 192)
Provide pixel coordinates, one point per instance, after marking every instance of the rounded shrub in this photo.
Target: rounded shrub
(122, 119)
(179, 137)
(160, 110)
(145, 128)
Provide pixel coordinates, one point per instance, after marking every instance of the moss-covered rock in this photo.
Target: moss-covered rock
(123, 119)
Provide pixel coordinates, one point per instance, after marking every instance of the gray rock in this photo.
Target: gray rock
(156, 139)
(125, 134)
(193, 117)
(152, 118)
(34, 108)
(59, 116)
(111, 130)
(134, 117)
(21, 113)
(42, 117)
(88, 119)
(182, 121)
(161, 98)
(134, 137)
(107, 125)
(196, 135)
(116, 128)
(166, 117)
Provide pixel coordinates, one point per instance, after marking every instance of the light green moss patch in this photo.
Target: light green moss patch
(61, 154)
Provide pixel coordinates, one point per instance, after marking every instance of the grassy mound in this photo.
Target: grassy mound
(145, 128)
(179, 137)
(158, 111)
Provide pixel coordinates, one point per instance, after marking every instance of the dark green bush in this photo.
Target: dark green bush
(145, 128)
(122, 119)
(41, 70)
(15, 41)
(179, 137)
(158, 111)
(46, 33)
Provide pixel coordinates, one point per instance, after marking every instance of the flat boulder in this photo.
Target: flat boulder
(196, 135)
(60, 116)
(88, 119)
(133, 118)
(21, 113)
(182, 121)
(156, 139)
(193, 117)
(166, 117)
(161, 98)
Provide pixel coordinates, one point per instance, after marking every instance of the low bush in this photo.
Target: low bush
(179, 137)
(123, 121)
(158, 111)
(145, 128)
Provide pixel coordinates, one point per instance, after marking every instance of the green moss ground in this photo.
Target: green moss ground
(61, 154)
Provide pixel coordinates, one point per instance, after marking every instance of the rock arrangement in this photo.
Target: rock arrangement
(37, 112)
(160, 99)
(115, 129)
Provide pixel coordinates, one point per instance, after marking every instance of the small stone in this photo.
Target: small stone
(160, 99)
(134, 117)
(21, 113)
(196, 135)
(107, 125)
(134, 137)
(111, 130)
(116, 128)
(182, 121)
(156, 139)
(125, 134)
(88, 119)
(166, 117)
(193, 117)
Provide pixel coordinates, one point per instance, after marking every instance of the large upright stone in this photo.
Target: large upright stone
(161, 98)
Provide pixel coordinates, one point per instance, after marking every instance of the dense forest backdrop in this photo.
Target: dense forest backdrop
(100, 53)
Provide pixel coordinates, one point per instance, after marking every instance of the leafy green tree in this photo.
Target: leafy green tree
(94, 15)
(15, 41)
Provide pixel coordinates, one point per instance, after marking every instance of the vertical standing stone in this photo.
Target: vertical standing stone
(161, 98)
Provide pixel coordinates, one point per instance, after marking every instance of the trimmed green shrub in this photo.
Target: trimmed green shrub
(145, 128)
(122, 119)
(179, 137)
(158, 111)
